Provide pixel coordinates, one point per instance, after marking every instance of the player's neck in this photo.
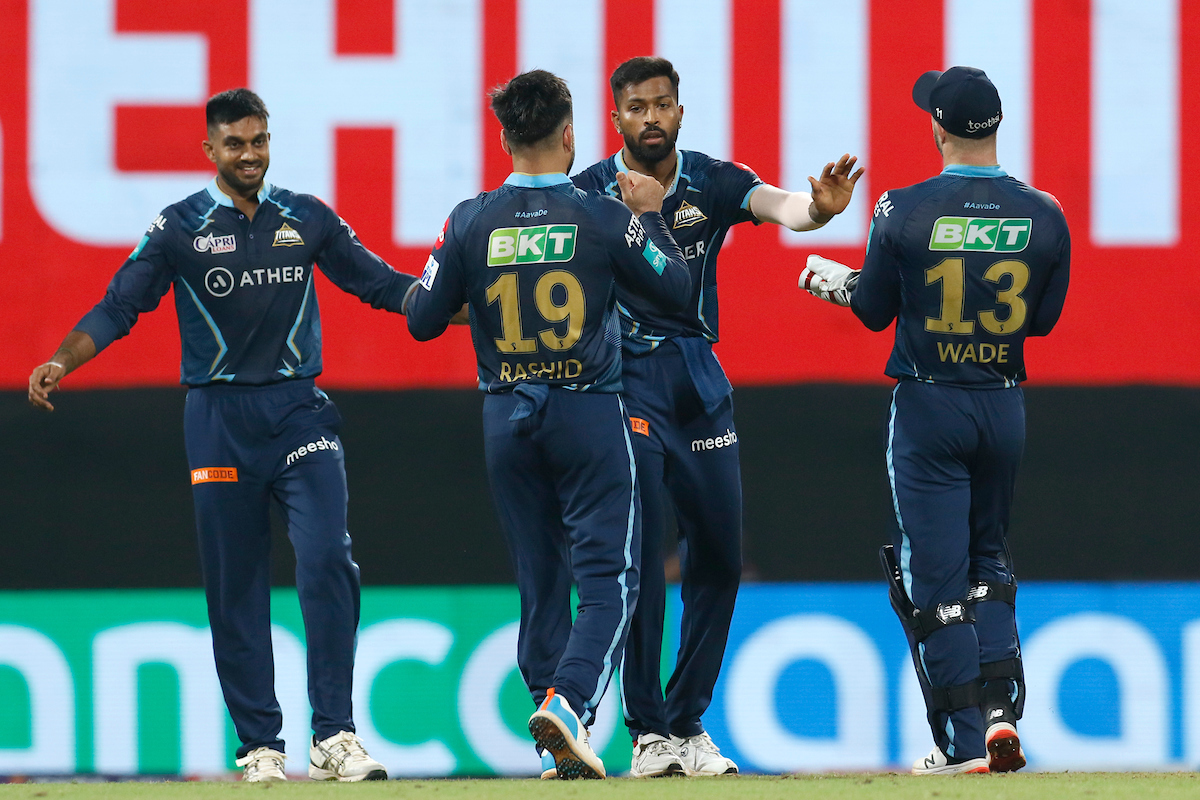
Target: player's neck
(985, 157)
(537, 163)
(663, 171)
(245, 203)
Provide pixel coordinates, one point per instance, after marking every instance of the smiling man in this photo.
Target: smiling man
(682, 412)
(239, 254)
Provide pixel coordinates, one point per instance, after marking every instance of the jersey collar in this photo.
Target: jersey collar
(222, 199)
(620, 165)
(969, 171)
(525, 180)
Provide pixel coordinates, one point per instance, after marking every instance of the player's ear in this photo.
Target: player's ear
(504, 143)
(616, 119)
(568, 137)
(208, 150)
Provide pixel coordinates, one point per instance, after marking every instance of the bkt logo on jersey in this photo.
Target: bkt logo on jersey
(531, 245)
(981, 234)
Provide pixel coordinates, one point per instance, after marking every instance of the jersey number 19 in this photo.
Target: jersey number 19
(505, 290)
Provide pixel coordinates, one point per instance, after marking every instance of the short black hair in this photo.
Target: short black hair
(234, 104)
(643, 68)
(531, 106)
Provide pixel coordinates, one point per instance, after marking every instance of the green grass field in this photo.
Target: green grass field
(1090, 786)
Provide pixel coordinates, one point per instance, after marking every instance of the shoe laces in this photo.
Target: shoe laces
(263, 758)
(346, 748)
(704, 743)
(658, 747)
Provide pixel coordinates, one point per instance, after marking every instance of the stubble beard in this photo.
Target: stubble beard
(649, 155)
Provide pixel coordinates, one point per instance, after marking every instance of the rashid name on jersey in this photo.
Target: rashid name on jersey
(536, 259)
(981, 261)
(244, 289)
(706, 198)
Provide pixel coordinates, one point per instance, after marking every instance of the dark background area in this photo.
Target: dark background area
(97, 494)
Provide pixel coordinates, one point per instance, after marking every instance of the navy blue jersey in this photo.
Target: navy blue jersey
(536, 259)
(244, 288)
(706, 198)
(969, 263)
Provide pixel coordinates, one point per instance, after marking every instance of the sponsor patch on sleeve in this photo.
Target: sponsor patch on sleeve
(656, 257)
(882, 206)
(430, 273)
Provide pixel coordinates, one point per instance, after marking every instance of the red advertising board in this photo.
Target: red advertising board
(92, 117)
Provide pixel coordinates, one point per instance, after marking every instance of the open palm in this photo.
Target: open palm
(831, 194)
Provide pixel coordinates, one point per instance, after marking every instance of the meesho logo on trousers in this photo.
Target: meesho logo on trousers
(531, 245)
(311, 447)
(981, 234)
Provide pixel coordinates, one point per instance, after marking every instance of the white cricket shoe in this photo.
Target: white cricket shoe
(936, 763)
(1004, 748)
(342, 757)
(654, 756)
(557, 730)
(700, 756)
(262, 765)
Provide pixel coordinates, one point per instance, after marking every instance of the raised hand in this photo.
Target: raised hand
(831, 194)
(640, 192)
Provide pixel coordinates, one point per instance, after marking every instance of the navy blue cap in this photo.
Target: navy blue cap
(962, 100)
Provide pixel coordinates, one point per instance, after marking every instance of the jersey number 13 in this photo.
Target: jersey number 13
(951, 273)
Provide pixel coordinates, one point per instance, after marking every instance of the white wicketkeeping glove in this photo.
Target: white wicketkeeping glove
(828, 280)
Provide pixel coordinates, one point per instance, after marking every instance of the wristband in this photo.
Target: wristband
(56, 364)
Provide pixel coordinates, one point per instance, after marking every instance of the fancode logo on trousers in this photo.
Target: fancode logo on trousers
(543, 243)
(638, 425)
(214, 475)
(981, 234)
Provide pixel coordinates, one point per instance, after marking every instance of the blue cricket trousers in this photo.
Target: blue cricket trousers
(565, 487)
(690, 457)
(952, 460)
(245, 446)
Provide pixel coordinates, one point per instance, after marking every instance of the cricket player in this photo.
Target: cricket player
(240, 254)
(681, 410)
(968, 264)
(536, 261)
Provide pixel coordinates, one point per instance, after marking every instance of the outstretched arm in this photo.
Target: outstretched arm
(75, 351)
(356, 270)
(802, 211)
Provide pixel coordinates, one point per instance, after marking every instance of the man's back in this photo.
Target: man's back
(536, 260)
(969, 263)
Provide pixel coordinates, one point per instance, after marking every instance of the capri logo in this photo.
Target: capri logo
(543, 243)
(980, 234)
